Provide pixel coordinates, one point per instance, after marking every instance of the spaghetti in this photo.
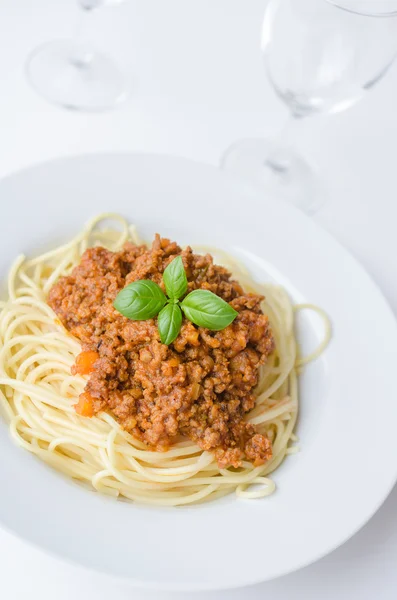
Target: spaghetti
(38, 392)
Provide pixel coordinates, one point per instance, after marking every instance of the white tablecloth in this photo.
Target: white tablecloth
(198, 84)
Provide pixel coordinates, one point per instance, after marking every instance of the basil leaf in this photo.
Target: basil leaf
(169, 323)
(205, 309)
(175, 279)
(140, 300)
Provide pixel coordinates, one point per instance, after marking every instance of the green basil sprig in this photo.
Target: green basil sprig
(205, 309)
(140, 300)
(169, 323)
(175, 279)
(144, 299)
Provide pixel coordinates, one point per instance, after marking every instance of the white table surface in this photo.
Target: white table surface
(198, 84)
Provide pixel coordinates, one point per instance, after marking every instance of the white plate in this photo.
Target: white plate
(347, 465)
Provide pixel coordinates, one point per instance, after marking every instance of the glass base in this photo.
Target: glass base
(279, 170)
(73, 75)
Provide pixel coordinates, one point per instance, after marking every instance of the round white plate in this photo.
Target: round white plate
(347, 464)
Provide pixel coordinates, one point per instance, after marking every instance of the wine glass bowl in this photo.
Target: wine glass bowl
(371, 8)
(322, 59)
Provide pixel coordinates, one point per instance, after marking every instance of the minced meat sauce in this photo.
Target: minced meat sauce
(200, 386)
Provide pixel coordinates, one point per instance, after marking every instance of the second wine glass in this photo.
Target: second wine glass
(73, 74)
(319, 59)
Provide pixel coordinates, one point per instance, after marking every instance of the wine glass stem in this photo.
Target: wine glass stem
(82, 58)
(284, 139)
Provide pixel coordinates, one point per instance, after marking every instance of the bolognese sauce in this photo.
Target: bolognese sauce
(201, 386)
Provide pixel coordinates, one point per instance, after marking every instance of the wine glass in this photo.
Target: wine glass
(71, 73)
(320, 58)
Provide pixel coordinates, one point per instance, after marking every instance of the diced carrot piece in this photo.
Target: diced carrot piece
(85, 405)
(85, 362)
(174, 362)
(192, 337)
(196, 390)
